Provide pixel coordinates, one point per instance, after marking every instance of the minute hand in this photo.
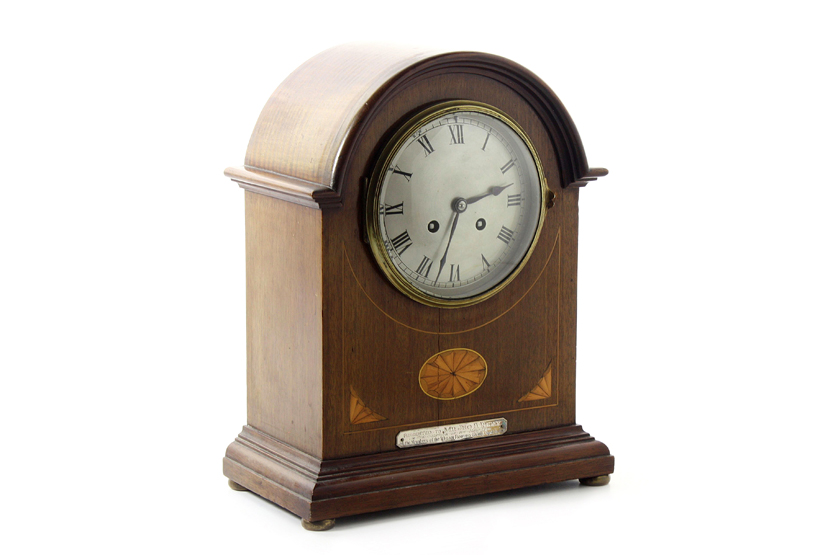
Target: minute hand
(445, 254)
(493, 191)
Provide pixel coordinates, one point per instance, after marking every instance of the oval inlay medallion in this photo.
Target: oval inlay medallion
(452, 374)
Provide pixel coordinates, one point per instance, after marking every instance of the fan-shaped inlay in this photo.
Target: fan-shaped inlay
(542, 390)
(452, 374)
(359, 413)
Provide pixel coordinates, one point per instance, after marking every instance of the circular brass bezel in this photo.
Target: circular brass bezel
(374, 233)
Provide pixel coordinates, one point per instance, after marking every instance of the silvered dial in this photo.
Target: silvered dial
(458, 205)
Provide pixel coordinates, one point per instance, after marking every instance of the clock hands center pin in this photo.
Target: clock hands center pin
(459, 205)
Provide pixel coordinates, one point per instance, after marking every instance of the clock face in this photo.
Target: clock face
(456, 204)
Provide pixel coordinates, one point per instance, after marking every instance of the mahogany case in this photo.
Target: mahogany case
(333, 349)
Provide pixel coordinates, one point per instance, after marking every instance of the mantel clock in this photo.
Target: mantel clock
(411, 248)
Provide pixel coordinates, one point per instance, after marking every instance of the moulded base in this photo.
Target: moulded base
(319, 490)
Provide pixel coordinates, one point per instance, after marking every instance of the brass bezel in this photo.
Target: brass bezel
(372, 201)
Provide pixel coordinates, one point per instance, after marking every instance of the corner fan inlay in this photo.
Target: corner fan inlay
(359, 412)
(542, 390)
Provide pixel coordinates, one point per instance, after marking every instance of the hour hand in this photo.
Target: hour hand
(493, 191)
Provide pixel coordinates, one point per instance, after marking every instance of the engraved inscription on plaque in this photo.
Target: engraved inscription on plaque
(451, 432)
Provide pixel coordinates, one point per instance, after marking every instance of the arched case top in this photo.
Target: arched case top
(306, 131)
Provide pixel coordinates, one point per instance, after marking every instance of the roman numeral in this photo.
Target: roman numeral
(403, 241)
(513, 200)
(391, 209)
(426, 144)
(454, 275)
(424, 266)
(486, 265)
(485, 142)
(507, 166)
(406, 175)
(456, 138)
(505, 235)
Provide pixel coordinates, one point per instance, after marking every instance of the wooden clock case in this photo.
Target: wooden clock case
(334, 349)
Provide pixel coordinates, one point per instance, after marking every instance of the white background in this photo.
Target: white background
(704, 278)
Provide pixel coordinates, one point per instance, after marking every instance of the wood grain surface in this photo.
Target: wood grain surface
(283, 321)
(303, 126)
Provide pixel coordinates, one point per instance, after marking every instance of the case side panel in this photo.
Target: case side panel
(283, 321)
(567, 304)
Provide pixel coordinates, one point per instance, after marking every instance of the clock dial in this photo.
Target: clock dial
(457, 204)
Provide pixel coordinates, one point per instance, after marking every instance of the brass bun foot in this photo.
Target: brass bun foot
(597, 481)
(235, 486)
(319, 525)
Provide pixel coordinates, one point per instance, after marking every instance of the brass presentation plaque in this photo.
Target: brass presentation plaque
(451, 432)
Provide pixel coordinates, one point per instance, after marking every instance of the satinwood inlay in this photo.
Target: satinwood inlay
(452, 374)
(359, 412)
(542, 390)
